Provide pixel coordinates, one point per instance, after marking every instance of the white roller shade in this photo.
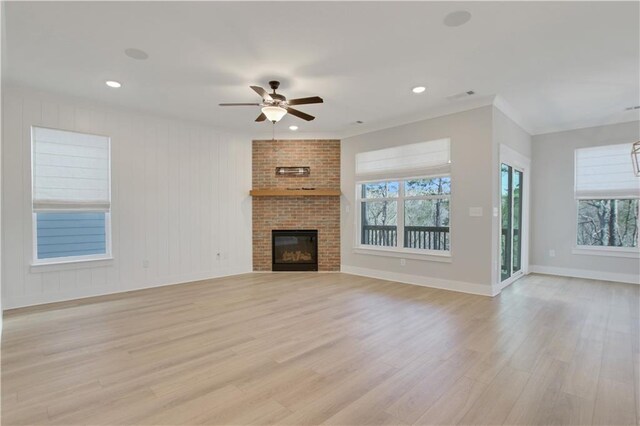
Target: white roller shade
(421, 158)
(605, 172)
(70, 170)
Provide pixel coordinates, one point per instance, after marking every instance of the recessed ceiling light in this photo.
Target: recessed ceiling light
(418, 89)
(113, 83)
(455, 19)
(136, 53)
(294, 128)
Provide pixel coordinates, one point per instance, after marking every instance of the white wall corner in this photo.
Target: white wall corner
(459, 286)
(586, 273)
(3, 53)
(500, 103)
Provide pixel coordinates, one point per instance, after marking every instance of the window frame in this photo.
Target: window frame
(108, 255)
(612, 251)
(72, 259)
(609, 194)
(399, 250)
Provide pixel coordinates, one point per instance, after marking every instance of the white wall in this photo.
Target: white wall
(179, 197)
(507, 132)
(472, 156)
(554, 206)
(2, 56)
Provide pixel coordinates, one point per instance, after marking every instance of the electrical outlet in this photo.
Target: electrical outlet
(552, 253)
(145, 263)
(403, 262)
(347, 209)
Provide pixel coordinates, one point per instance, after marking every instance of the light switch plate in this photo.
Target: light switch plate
(475, 211)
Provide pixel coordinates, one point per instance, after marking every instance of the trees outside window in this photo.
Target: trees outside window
(411, 213)
(609, 223)
(607, 194)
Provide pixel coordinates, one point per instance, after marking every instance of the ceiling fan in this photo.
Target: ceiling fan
(275, 106)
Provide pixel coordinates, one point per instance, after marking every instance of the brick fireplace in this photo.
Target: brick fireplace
(301, 209)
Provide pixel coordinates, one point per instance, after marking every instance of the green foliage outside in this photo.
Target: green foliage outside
(612, 223)
(418, 212)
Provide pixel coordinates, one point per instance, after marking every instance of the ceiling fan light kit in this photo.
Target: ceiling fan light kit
(274, 113)
(275, 106)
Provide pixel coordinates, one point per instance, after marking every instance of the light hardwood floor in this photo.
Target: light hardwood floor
(308, 348)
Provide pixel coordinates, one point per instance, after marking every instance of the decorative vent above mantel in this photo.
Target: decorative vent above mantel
(293, 171)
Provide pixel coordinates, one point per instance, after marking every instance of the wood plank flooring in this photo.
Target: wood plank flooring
(309, 348)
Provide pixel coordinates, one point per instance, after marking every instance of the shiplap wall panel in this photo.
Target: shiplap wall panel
(31, 116)
(12, 130)
(67, 281)
(162, 226)
(179, 196)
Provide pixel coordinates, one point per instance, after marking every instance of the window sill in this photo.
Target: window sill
(607, 251)
(63, 265)
(429, 256)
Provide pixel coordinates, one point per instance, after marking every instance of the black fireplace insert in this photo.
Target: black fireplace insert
(294, 250)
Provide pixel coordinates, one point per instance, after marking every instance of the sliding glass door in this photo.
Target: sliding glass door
(511, 191)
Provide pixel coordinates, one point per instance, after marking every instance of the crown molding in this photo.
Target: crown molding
(632, 116)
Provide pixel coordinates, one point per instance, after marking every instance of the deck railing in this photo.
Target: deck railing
(427, 237)
(506, 244)
(418, 237)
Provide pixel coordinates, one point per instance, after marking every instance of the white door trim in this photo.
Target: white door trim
(523, 163)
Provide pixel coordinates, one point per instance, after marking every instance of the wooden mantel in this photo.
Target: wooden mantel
(277, 192)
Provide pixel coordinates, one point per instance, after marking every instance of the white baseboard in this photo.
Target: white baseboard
(77, 294)
(460, 286)
(586, 273)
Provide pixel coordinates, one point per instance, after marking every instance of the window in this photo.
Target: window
(379, 209)
(426, 213)
(612, 223)
(71, 196)
(400, 212)
(607, 194)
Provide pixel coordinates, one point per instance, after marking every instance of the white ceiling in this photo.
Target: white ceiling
(560, 65)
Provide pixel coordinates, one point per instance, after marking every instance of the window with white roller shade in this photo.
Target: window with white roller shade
(70, 170)
(605, 172)
(607, 195)
(403, 194)
(71, 193)
(432, 157)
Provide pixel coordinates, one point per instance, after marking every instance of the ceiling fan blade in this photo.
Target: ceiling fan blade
(300, 114)
(239, 104)
(260, 91)
(303, 101)
(261, 117)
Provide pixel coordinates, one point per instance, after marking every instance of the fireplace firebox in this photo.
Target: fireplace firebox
(294, 250)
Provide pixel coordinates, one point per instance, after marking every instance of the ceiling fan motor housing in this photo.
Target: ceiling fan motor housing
(274, 85)
(275, 96)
